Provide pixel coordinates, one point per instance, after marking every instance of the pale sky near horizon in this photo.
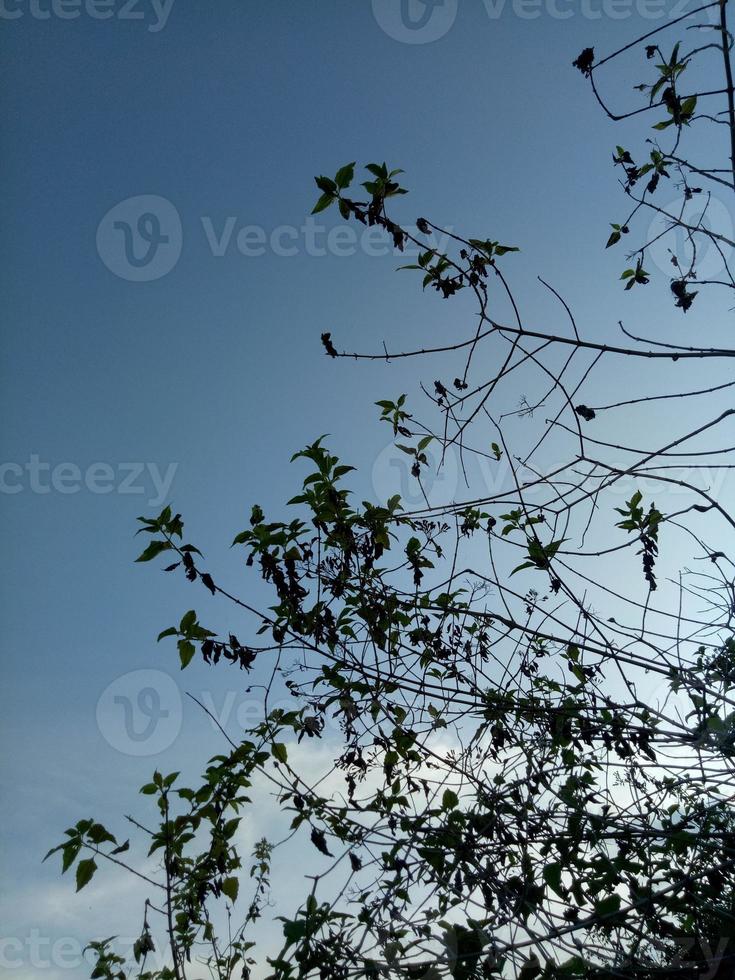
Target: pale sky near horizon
(194, 376)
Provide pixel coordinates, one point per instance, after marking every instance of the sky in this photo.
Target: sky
(164, 291)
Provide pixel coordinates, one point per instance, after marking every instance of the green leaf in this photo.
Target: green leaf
(344, 175)
(524, 565)
(171, 631)
(100, 835)
(68, 856)
(186, 652)
(154, 548)
(325, 185)
(230, 888)
(552, 877)
(449, 799)
(280, 752)
(575, 966)
(187, 621)
(688, 106)
(85, 872)
(323, 203)
(293, 930)
(608, 906)
(52, 851)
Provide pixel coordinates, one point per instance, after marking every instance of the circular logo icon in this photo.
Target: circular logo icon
(140, 713)
(439, 479)
(140, 239)
(667, 240)
(415, 21)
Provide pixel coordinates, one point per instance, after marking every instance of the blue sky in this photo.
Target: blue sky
(213, 374)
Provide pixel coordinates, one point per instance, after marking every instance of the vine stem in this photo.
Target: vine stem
(728, 74)
(178, 967)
